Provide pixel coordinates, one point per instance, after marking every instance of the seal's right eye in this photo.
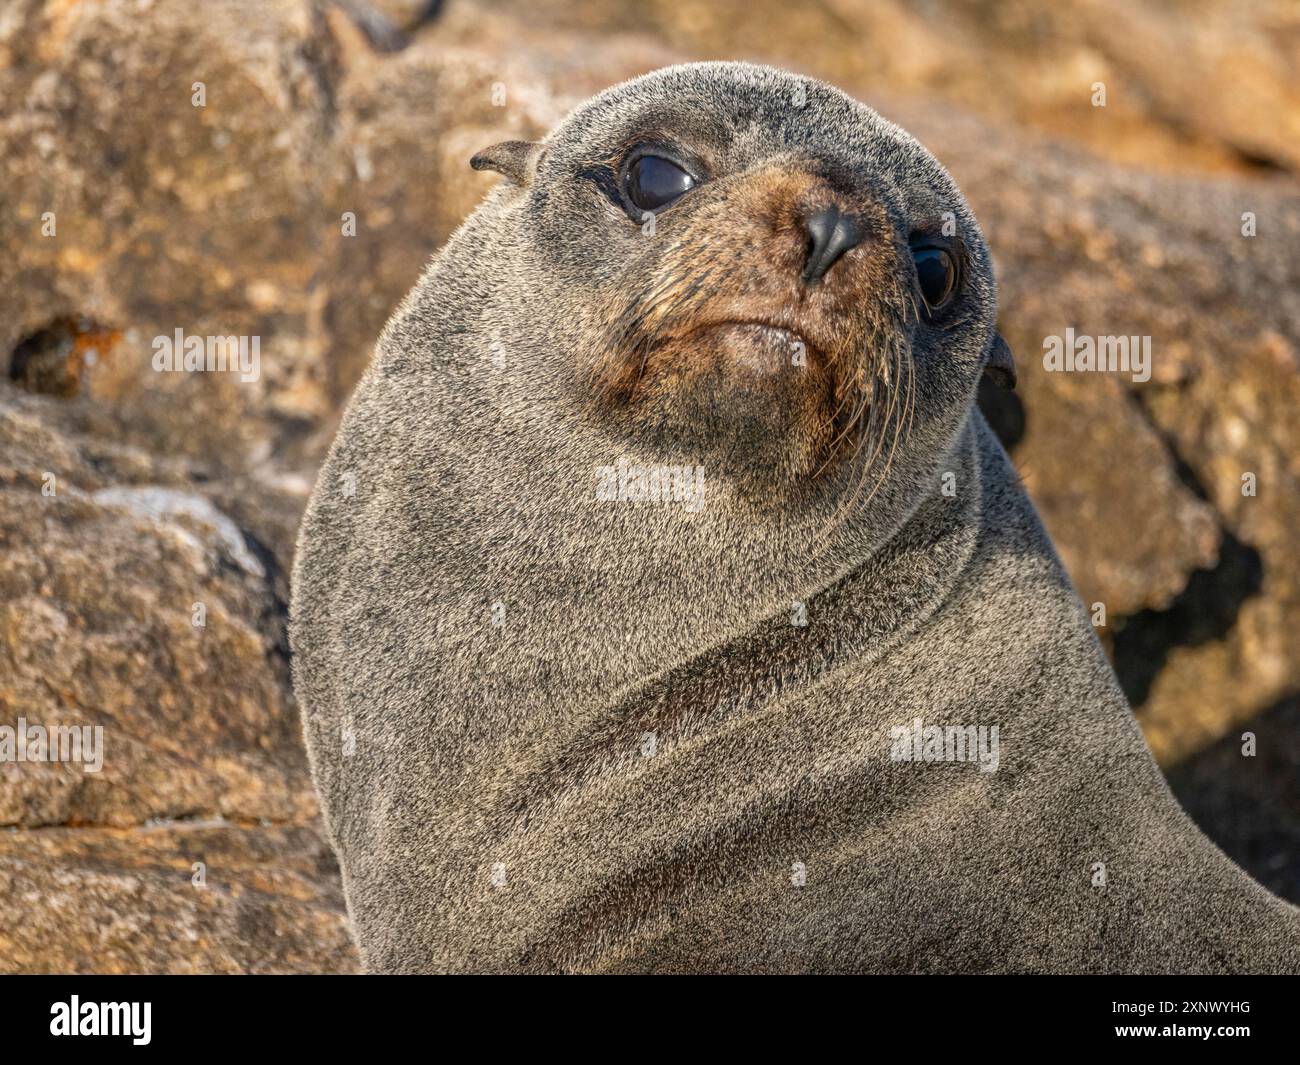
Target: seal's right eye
(653, 182)
(937, 273)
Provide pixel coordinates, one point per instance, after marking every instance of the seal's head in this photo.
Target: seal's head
(750, 268)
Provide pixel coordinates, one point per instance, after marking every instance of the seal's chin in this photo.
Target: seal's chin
(752, 400)
(757, 347)
(769, 393)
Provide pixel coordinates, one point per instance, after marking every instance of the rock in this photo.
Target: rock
(1246, 802)
(1230, 101)
(171, 179)
(111, 558)
(131, 601)
(173, 898)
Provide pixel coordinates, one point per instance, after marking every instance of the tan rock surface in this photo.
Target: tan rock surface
(130, 600)
(1208, 85)
(173, 898)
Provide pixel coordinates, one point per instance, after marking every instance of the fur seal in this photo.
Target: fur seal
(665, 605)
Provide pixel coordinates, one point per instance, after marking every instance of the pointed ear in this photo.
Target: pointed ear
(1001, 367)
(517, 160)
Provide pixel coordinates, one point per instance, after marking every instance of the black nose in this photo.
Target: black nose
(830, 235)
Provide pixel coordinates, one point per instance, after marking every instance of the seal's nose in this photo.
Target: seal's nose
(830, 235)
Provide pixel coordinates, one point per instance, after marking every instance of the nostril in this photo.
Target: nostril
(830, 235)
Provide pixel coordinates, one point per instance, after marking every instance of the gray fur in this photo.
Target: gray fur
(629, 773)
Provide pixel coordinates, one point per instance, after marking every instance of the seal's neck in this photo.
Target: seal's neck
(847, 618)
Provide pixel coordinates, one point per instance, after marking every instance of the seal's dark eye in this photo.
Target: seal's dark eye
(652, 182)
(937, 273)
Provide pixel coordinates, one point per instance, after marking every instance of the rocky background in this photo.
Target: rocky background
(169, 165)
